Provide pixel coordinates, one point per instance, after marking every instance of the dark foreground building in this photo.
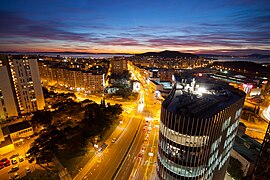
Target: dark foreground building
(262, 167)
(199, 121)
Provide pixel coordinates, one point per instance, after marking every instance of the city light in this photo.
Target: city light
(201, 90)
(134, 90)
(266, 113)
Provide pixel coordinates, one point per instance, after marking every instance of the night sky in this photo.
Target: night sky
(133, 26)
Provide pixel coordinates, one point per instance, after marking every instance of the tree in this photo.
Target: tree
(44, 147)
(41, 118)
(125, 93)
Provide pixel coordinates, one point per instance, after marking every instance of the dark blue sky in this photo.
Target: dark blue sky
(224, 27)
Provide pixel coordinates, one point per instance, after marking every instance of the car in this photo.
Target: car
(14, 161)
(142, 151)
(16, 176)
(148, 132)
(14, 155)
(14, 168)
(31, 159)
(28, 170)
(27, 156)
(140, 155)
(2, 165)
(21, 159)
(113, 140)
(102, 147)
(6, 161)
(145, 139)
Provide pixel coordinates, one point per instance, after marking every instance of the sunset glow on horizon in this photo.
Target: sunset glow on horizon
(236, 27)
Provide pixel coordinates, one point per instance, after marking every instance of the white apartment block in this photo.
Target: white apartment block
(20, 86)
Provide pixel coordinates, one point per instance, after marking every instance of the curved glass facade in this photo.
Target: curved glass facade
(197, 145)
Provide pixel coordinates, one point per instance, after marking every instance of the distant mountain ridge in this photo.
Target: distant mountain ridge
(168, 54)
(257, 56)
(260, 56)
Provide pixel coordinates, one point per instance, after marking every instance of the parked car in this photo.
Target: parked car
(28, 170)
(14, 155)
(21, 159)
(14, 161)
(31, 160)
(14, 168)
(16, 176)
(27, 155)
(2, 165)
(6, 162)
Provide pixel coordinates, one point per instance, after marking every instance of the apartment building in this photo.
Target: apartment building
(118, 65)
(72, 78)
(20, 86)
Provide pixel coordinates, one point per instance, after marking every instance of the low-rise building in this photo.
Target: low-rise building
(19, 130)
(6, 145)
(245, 150)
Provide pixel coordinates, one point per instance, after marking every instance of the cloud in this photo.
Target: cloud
(243, 31)
(119, 42)
(14, 25)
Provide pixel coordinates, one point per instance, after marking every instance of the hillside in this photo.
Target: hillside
(169, 54)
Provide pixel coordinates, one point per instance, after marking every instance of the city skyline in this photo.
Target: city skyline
(224, 27)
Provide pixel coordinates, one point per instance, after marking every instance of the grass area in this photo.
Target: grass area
(75, 159)
(109, 132)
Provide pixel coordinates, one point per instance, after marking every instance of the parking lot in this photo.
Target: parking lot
(17, 156)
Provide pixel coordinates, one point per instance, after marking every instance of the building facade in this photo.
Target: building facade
(198, 125)
(74, 79)
(20, 87)
(262, 167)
(118, 65)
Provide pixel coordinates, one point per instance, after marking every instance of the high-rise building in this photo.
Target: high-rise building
(199, 121)
(118, 65)
(20, 86)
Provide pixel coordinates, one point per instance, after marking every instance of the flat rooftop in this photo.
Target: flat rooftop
(246, 147)
(200, 98)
